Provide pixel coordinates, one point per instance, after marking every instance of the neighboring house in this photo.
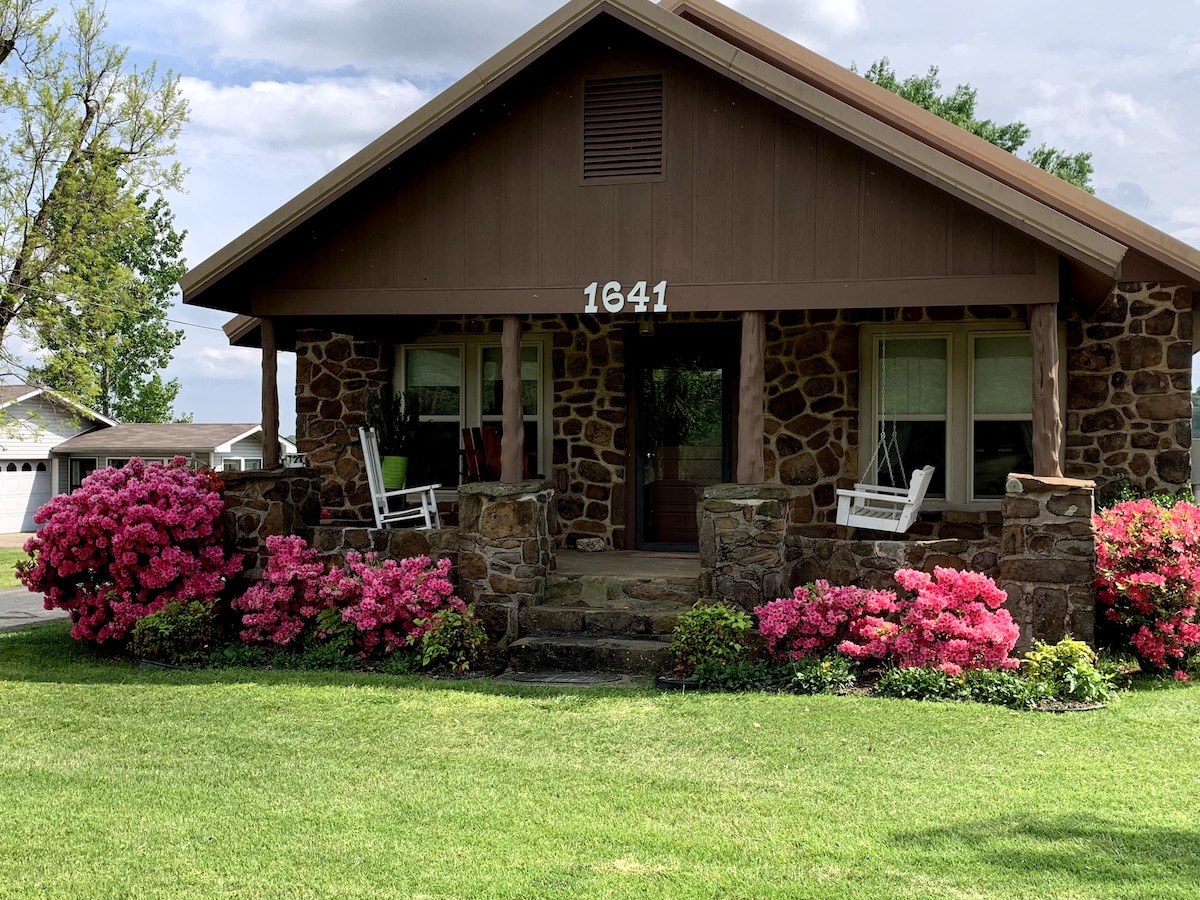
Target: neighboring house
(33, 422)
(635, 199)
(224, 447)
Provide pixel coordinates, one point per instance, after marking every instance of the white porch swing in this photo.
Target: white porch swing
(879, 506)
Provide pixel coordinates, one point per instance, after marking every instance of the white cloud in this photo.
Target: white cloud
(1085, 114)
(320, 113)
(420, 37)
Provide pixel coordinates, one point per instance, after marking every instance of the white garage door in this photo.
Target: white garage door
(24, 487)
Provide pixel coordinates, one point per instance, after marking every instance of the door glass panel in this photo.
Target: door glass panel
(682, 411)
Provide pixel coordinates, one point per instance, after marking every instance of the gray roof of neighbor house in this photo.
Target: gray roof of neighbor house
(167, 439)
(1094, 235)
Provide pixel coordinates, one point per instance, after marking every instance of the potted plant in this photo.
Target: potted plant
(396, 419)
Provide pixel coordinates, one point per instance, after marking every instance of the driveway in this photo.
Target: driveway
(19, 607)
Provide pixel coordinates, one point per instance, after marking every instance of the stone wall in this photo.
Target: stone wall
(334, 375)
(1048, 558)
(262, 503)
(1129, 384)
(506, 550)
(743, 541)
(873, 564)
(332, 542)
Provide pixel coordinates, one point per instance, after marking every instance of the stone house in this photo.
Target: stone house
(699, 278)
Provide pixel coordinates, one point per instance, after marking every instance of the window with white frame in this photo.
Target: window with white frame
(241, 463)
(79, 468)
(959, 399)
(460, 385)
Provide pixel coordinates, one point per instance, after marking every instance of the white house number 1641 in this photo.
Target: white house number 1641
(614, 300)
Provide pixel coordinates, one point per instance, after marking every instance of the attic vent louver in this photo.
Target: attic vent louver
(623, 127)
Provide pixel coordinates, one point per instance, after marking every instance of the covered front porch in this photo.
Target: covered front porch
(611, 609)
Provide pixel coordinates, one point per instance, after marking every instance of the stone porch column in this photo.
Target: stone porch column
(1048, 558)
(506, 550)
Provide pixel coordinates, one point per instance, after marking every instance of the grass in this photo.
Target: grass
(119, 782)
(9, 557)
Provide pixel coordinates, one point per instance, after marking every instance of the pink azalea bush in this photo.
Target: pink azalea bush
(1148, 578)
(952, 621)
(390, 604)
(820, 617)
(277, 609)
(126, 542)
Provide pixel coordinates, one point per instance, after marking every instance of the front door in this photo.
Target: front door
(684, 388)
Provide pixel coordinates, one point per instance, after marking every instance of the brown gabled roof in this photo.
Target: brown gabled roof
(1079, 226)
(161, 440)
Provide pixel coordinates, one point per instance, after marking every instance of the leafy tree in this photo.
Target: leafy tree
(105, 340)
(85, 139)
(959, 107)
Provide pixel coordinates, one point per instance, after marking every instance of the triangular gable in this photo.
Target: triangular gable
(1007, 168)
(14, 394)
(1101, 254)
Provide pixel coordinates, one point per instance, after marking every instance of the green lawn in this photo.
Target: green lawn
(9, 557)
(119, 782)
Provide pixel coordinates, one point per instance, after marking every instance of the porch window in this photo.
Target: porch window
(461, 385)
(959, 399)
(241, 463)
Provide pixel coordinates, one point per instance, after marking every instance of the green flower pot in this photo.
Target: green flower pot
(395, 470)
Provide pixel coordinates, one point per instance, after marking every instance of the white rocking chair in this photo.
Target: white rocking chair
(425, 510)
(884, 508)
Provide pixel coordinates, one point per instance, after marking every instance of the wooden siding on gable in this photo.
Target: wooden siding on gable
(752, 194)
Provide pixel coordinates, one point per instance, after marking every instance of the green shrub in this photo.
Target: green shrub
(455, 641)
(1000, 687)
(740, 676)
(716, 633)
(1067, 670)
(182, 633)
(239, 656)
(820, 675)
(922, 683)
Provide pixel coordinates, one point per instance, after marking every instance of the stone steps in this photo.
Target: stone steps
(588, 654)
(602, 623)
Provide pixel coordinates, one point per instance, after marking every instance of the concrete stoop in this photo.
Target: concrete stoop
(602, 623)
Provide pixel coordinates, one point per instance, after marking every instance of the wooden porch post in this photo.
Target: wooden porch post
(1047, 423)
(270, 394)
(750, 466)
(512, 442)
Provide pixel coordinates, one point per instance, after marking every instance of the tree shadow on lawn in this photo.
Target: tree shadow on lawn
(1110, 857)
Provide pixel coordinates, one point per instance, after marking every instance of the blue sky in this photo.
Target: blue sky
(283, 91)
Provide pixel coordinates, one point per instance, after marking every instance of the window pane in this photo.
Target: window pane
(231, 465)
(1003, 375)
(437, 461)
(912, 377)
(1000, 448)
(435, 373)
(493, 383)
(916, 444)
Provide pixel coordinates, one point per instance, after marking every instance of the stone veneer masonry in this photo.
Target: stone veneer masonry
(1045, 561)
(506, 550)
(1127, 370)
(262, 503)
(1129, 385)
(1048, 558)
